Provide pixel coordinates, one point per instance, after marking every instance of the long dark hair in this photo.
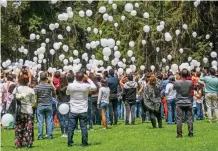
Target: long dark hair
(63, 81)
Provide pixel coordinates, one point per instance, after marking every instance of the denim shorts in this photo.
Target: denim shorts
(104, 105)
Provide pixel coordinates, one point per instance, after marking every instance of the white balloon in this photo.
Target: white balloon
(89, 13)
(44, 60)
(100, 32)
(89, 29)
(35, 59)
(214, 63)
(61, 57)
(65, 61)
(115, 48)
(198, 69)
(105, 16)
(215, 67)
(143, 42)
(64, 108)
(110, 18)
(54, 1)
(205, 60)
(37, 36)
(167, 68)
(71, 59)
(181, 50)
(25, 51)
(120, 64)
(174, 68)
(133, 13)
(111, 43)
(68, 28)
(118, 43)
(131, 43)
(41, 56)
(115, 25)
(207, 36)
(106, 58)
(102, 9)
(75, 52)
(56, 25)
(213, 54)
(189, 59)
(89, 1)
(117, 54)
(164, 60)
(152, 68)
(81, 13)
(110, 1)
(32, 36)
(133, 59)
(47, 40)
(88, 46)
(107, 51)
(128, 7)
(194, 34)
(124, 60)
(60, 36)
(52, 51)
(196, 4)
(146, 28)
(169, 57)
(35, 53)
(43, 31)
(56, 46)
(177, 32)
(123, 18)
(51, 26)
(120, 71)
(95, 30)
(136, 5)
(211, 44)
(157, 49)
(3, 3)
(184, 26)
(65, 48)
(70, 14)
(93, 44)
(128, 71)
(7, 120)
(114, 6)
(69, 9)
(142, 67)
(146, 15)
(130, 53)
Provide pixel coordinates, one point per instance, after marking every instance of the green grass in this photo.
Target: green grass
(139, 137)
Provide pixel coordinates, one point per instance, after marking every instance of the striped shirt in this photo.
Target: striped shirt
(43, 92)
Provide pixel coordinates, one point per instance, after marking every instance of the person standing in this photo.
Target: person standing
(129, 96)
(24, 121)
(62, 97)
(211, 92)
(184, 102)
(103, 101)
(43, 92)
(152, 101)
(113, 83)
(78, 92)
(171, 101)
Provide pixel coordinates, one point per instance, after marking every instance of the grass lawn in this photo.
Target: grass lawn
(139, 137)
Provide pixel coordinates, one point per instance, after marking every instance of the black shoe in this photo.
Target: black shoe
(190, 135)
(126, 123)
(70, 145)
(85, 145)
(178, 136)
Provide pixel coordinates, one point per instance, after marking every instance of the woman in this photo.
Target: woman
(24, 121)
(152, 101)
(63, 98)
(171, 101)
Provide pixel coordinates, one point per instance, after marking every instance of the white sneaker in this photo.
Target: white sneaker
(63, 135)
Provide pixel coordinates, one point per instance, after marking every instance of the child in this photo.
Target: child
(103, 100)
(199, 102)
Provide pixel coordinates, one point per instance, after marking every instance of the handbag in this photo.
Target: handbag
(15, 107)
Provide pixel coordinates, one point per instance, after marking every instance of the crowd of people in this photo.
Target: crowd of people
(105, 98)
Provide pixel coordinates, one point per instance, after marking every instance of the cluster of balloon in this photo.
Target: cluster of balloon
(4, 3)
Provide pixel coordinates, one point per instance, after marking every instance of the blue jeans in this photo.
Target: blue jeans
(120, 109)
(171, 105)
(194, 113)
(200, 115)
(138, 109)
(73, 119)
(108, 116)
(104, 106)
(44, 112)
(90, 112)
(63, 119)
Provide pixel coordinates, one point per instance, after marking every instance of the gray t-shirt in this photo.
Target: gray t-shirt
(183, 89)
(43, 92)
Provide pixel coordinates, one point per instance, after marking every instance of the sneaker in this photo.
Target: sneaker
(104, 128)
(65, 135)
(209, 121)
(178, 136)
(62, 135)
(190, 135)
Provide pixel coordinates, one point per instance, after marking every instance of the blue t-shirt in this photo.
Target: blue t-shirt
(113, 83)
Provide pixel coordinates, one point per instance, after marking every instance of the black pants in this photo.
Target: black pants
(113, 111)
(145, 112)
(130, 107)
(188, 112)
(73, 119)
(154, 114)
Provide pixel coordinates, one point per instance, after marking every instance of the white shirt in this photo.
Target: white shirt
(103, 95)
(78, 92)
(26, 103)
(170, 92)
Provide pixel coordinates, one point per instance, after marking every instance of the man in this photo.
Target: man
(78, 92)
(43, 93)
(211, 92)
(184, 104)
(113, 85)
